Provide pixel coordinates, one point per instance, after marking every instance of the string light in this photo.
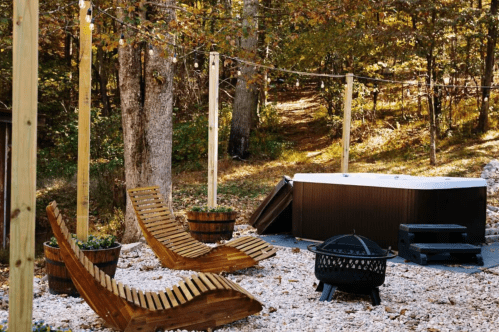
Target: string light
(122, 39)
(92, 24)
(88, 18)
(213, 65)
(174, 60)
(151, 51)
(269, 80)
(297, 83)
(82, 4)
(238, 71)
(322, 84)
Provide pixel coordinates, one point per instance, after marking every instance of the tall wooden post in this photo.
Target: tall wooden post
(23, 193)
(82, 203)
(213, 131)
(346, 123)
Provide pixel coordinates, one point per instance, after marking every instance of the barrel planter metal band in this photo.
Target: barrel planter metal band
(59, 278)
(210, 227)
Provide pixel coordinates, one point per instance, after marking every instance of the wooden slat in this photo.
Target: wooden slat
(222, 280)
(191, 286)
(115, 287)
(214, 281)
(172, 298)
(161, 209)
(179, 295)
(102, 278)
(121, 290)
(129, 295)
(143, 302)
(206, 281)
(199, 283)
(157, 301)
(185, 290)
(96, 273)
(164, 300)
(90, 268)
(109, 284)
(255, 247)
(135, 296)
(150, 301)
(265, 255)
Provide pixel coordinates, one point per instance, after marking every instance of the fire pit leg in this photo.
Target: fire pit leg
(376, 300)
(328, 293)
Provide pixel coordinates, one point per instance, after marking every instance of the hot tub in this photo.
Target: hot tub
(374, 205)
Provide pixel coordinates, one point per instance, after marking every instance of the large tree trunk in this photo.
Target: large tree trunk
(147, 124)
(431, 109)
(246, 95)
(483, 119)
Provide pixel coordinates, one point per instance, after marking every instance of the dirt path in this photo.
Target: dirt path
(299, 121)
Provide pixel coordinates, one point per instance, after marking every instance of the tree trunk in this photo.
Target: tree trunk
(431, 109)
(483, 119)
(246, 95)
(147, 124)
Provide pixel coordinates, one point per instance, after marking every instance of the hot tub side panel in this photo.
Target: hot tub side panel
(324, 210)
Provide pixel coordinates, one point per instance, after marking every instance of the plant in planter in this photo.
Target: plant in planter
(103, 251)
(38, 326)
(210, 225)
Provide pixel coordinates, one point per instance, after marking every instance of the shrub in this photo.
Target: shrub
(93, 242)
(218, 208)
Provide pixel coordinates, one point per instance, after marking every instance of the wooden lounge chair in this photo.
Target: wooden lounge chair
(200, 302)
(177, 249)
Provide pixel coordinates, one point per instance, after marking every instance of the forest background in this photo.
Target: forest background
(422, 98)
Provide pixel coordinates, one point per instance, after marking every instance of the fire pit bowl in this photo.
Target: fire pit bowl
(350, 263)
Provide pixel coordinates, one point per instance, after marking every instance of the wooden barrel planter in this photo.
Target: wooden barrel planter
(210, 227)
(58, 276)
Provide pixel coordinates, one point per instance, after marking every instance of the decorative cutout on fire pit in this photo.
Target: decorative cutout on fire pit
(350, 263)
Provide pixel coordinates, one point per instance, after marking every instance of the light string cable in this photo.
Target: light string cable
(409, 83)
(200, 49)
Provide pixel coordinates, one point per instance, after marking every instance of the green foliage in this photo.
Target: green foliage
(93, 242)
(267, 145)
(38, 326)
(60, 159)
(190, 138)
(218, 208)
(269, 119)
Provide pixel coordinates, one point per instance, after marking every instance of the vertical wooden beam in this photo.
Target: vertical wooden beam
(346, 123)
(24, 122)
(84, 102)
(213, 131)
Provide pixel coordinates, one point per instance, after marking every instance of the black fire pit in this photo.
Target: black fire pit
(350, 263)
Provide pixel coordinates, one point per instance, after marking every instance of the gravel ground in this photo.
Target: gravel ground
(414, 298)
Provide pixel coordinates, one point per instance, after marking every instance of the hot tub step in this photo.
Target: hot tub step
(434, 228)
(420, 252)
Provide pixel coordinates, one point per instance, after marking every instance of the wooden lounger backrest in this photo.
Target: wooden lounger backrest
(185, 291)
(154, 217)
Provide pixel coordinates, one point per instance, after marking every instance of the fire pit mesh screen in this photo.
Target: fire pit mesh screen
(351, 245)
(363, 272)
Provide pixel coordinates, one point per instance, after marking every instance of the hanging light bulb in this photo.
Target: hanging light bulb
(122, 39)
(269, 80)
(151, 51)
(196, 64)
(88, 18)
(213, 65)
(92, 24)
(81, 3)
(322, 84)
(238, 71)
(174, 60)
(297, 83)
(408, 93)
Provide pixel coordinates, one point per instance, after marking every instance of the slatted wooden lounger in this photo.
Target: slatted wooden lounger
(177, 249)
(200, 302)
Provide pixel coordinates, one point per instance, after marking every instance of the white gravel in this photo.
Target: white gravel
(414, 298)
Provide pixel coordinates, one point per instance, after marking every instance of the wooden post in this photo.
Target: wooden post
(346, 123)
(213, 131)
(82, 203)
(23, 193)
